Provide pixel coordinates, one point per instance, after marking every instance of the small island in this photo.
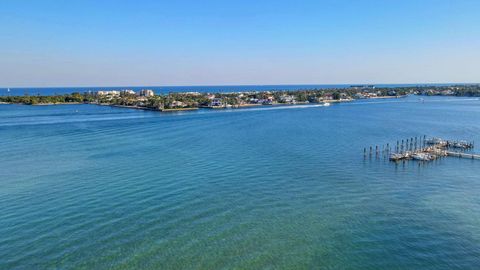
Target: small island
(183, 101)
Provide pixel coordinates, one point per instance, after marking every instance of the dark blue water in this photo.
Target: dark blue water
(91, 187)
(201, 89)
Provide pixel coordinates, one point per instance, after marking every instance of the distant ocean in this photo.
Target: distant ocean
(201, 89)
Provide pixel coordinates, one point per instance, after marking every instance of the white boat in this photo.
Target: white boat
(422, 157)
(326, 104)
(436, 141)
(461, 144)
(396, 156)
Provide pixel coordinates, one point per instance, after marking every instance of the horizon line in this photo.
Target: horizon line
(248, 85)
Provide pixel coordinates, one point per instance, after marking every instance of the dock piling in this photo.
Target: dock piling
(421, 149)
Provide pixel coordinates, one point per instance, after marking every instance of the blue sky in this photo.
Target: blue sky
(146, 42)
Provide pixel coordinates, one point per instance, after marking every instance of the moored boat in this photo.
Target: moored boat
(422, 156)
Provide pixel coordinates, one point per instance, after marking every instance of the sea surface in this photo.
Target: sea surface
(202, 89)
(92, 187)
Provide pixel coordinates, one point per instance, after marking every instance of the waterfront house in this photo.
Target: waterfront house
(360, 96)
(253, 100)
(447, 93)
(178, 104)
(287, 99)
(327, 96)
(266, 101)
(216, 102)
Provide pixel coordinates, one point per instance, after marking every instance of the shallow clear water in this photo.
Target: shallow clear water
(90, 187)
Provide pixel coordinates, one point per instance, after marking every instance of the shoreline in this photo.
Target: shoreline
(59, 103)
(146, 108)
(242, 106)
(43, 104)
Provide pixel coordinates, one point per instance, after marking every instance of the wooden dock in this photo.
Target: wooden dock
(421, 149)
(463, 155)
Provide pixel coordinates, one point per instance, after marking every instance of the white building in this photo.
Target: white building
(147, 93)
(216, 102)
(177, 104)
(128, 92)
(287, 99)
(108, 93)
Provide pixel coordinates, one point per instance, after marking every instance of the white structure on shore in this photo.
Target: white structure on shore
(147, 93)
(128, 92)
(216, 102)
(108, 93)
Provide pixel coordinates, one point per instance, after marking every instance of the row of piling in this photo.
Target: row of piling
(420, 148)
(402, 146)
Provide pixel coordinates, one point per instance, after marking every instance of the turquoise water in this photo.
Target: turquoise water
(90, 187)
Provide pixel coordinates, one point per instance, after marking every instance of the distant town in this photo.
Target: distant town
(147, 99)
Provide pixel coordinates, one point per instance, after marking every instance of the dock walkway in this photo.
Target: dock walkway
(463, 155)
